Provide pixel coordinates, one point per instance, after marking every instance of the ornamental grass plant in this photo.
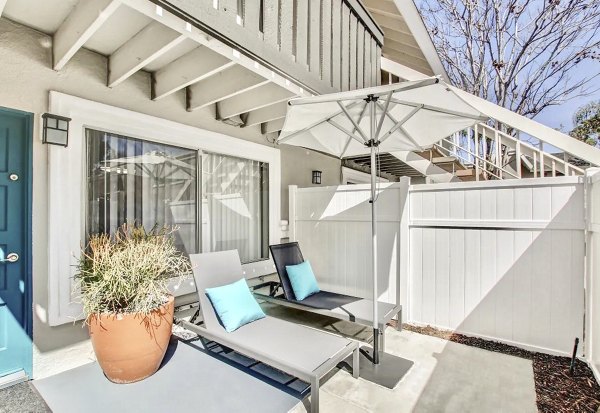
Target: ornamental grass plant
(130, 271)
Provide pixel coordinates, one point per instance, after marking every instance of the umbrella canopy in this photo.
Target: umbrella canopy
(417, 114)
(153, 164)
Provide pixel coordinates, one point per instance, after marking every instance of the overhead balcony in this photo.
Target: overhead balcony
(323, 46)
(242, 59)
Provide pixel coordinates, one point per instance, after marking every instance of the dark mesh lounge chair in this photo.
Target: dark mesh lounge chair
(300, 351)
(343, 307)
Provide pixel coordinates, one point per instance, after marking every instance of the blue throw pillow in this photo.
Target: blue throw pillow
(302, 279)
(234, 304)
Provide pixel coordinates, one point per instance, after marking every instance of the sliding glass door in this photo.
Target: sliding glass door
(134, 180)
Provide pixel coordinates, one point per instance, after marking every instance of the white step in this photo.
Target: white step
(12, 379)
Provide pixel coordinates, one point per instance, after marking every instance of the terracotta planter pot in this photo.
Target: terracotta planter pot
(131, 347)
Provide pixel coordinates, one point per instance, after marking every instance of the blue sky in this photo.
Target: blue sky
(556, 116)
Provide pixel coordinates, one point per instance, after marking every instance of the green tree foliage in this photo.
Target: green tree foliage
(586, 123)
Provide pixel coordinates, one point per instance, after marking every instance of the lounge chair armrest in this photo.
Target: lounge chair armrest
(273, 287)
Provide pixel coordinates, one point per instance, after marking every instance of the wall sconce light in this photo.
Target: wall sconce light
(56, 129)
(316, 177)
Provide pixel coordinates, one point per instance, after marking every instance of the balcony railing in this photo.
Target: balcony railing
(324, 46)
(494, 154)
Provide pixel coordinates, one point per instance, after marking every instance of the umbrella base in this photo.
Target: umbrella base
(388, 373)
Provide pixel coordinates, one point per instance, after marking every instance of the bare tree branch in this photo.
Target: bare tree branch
(518, 53)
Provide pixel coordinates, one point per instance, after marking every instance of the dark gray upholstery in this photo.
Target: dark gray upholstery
(345, 307)
(290, 254)
(286, 254)
(327, 300)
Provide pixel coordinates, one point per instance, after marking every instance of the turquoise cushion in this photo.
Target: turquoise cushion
(302, 279)
(234, 304)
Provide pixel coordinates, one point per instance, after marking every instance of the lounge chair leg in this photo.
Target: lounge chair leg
(314, 395)
(355, 362)
(382, 338)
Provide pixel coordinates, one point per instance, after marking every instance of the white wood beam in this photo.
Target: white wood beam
(409, 50)
(152, 41)
(252, 100)
(2, 4)
(87, 17)
(416, 26)
(222, 85)
(408, 61)
(402, 71)
(266, 114)
(398, 36)
(381, 5)
(272, 126)
(200, 63)
(400, 51)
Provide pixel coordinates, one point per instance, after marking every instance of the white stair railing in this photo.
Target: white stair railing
(494, 154)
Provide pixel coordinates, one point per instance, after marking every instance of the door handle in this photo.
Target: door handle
(10, 258)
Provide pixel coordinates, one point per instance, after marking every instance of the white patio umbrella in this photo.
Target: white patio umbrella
(152, 163)
(407, 116)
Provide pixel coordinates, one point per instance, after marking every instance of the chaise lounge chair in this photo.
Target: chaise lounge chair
(300, 351)
(340, 306)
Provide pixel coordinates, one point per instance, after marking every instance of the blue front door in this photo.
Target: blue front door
(15, 262)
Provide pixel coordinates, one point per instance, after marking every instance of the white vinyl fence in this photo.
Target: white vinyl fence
(593, 270)
(498, 259)
(333, 226)
(501, 259)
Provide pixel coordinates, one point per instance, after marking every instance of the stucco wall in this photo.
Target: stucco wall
(26, 78)
(297, 165)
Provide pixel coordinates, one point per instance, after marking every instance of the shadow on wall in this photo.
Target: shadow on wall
(297, 165)
(520, 281)
(522, 286)
(334, 231)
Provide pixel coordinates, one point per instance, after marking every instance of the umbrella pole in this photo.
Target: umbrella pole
(374, 232)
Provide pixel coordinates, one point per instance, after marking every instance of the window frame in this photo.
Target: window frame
(67, 186)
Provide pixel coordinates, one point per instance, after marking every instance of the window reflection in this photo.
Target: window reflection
(131, 180)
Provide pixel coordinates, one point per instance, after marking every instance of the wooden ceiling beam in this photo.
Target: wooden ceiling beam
(85, 20)
(2, 5)
(272, 126)
(266, 114)
(201, 63)
(223, 85)
(148, 44)
(264, 95)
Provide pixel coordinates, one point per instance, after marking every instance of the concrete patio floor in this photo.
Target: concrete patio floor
(446, 376)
